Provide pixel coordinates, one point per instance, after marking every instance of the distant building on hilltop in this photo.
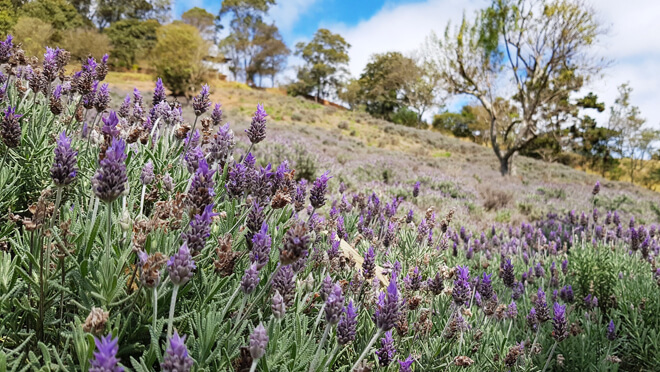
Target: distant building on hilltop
(217, 62)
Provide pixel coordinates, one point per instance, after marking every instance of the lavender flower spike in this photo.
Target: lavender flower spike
(277, 306)
(258, 342)
(334, 305)
(216, 115)
(110, 179)
(105, 358)
(317, 194)
(250, 280)
(64, 170)
(200, 230)
(559, 323)
(201, 102)
(176, 357)
(388, 306)
(404, 366)
(462, 291)
(10, 128)
(180, 266)
(347, 325)
(257, 130)
(147, 175)
(387, 350)
(159, 92)
(611, 331)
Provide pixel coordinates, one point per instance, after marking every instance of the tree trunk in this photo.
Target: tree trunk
(504, 166)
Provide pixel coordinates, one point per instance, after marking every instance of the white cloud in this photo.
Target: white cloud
(286, 13)
(401, 27)
(632, 42)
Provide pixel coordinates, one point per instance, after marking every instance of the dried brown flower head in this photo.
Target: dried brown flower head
(95, 322)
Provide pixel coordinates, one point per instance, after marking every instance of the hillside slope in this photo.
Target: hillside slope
(367, 153)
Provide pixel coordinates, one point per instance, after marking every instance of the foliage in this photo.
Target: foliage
(131, 40)
(270, 54)
(406, 116)
(82, 42)
(202, 20)
(177, 57)
(104, 13)
(34, 33)
(326, 59)
(541, 48)
(59, 13)
(8, 17)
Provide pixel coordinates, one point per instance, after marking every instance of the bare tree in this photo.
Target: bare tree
(531, 53)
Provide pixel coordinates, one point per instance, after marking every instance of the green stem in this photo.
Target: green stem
(144, 189)
(312, 366)
(58, 200)
(172, 305)
(547, 362)
(254, 365)
(4, 157)
(366, 349)
(231, 300)
(155, 306)
(192, 132)
(108, 246)
(240, 309)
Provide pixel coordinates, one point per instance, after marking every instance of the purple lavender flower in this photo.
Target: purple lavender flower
(334, 305)
(596, 189)
(176, 358)
(277, 305)
(201, 102)
(261, 244)
(512, 310)
(257, 130)
(295, 244)
(125, 107)
(181, 266)
(591, 302)
(317, 194)
(11, 128)
(369, 264)
(559, 323)
(436, 285)
(110, 123)
(147, 175)
(508, 276)
(611, 331)
(415, 192)
(6, 48)
(284, 284)
(518, 290)
(237, 182)
(485, 287)
(110, 178)
(105, 358)
(404, 365)
(200, 230)
(388, 306)
(462, 291)
(532, 319)
(201, 188)
(64, 170)
(258, 342)
(222, 145)
(192, 158)
(387, 350)
(159, 92)
(347, 326)
(566, 294)
(102, 99)
(539, 272)
(50, 64)
(216, 115)
(250, 280)
(542, 310)
(564, 267)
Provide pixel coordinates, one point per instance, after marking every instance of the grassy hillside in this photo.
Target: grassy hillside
(364, 152)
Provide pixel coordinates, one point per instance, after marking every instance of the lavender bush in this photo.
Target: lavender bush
(110, 216)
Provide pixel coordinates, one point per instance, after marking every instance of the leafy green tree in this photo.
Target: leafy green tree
(8, 17)
(532, 54)
(633, 141)
(81, 42)
(178, 56)
(246, 21)
(326, 59)
(131, 40)
(106, 12)
(59, 13)
(34, 34)
(202, 20)
(270, 54)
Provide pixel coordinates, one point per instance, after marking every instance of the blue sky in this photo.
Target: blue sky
(376, 26)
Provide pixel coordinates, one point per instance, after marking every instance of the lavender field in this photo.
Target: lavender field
(250, 231)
